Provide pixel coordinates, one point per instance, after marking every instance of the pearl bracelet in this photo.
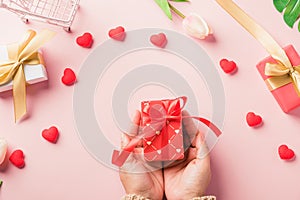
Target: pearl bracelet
(138, 197)
(205, 198)
(133, 197)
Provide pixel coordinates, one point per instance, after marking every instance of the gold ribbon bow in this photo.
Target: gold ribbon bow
(23, 53)
(281, 75)
(282, 72)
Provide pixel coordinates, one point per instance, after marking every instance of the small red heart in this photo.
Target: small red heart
(253, 119)
(159, 40)
(285, 153)
(228, 66)
(117, 33)
(51, 134)
(69, 77)
(17, 158)
(86, 40)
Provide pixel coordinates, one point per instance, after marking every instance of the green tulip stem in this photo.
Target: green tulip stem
(175, 10)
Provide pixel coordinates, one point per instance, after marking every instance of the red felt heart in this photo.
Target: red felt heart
(51, 134)
(285, 153)
(69, 77)
(117, 33)
(253, 119)
(17, 158)
(159, 40)
(86, 40)
(228, 66)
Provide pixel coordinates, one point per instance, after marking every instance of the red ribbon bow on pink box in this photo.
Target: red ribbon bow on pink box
(161, 131)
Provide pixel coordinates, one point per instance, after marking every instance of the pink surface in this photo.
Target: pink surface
(281, 94)
(245, 163)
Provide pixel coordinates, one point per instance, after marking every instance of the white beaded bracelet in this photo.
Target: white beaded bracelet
(133, 197)
(205, 198)
(138, 197)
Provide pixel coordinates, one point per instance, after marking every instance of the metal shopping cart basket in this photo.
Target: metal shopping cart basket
(57, 12)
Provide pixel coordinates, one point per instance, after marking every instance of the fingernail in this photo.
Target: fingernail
(122, 139)
(202, 138)
(135, 113)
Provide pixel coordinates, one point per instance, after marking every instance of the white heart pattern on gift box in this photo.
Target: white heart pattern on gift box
(158, 151)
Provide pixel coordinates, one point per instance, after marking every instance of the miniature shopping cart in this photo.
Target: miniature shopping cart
(57, 12)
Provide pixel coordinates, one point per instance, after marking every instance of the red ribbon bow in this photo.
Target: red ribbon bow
(158, 116)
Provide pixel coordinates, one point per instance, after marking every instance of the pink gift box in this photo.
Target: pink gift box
(286, 96)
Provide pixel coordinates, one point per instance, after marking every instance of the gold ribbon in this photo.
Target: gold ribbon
(282, 72)
(20, 54)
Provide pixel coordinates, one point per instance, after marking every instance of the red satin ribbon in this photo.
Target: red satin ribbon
(159, 116)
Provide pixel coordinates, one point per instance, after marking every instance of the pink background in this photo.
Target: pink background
(245, 163)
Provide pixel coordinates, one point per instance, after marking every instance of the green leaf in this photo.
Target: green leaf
(280, 4)
(180, 0)
(290, 9)
(292, 12)
(164, 5)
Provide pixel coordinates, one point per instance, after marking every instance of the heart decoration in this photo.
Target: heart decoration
(3, 150)
(159, 40)
(117, 33)
(285, 152)
(227, 66)
(51, 134)
(86, 40)
(17, 158)
(253, 119)
(69, 77)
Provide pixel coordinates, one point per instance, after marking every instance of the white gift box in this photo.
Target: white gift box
(33, 73)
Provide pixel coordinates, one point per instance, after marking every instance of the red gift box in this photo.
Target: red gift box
(162, 122)
(286, 96)
(161, 132)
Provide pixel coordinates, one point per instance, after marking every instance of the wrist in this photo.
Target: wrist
(192, 195)
(146, 194)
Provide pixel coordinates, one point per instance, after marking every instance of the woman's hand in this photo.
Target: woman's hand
(136, 175)
(189, 178)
